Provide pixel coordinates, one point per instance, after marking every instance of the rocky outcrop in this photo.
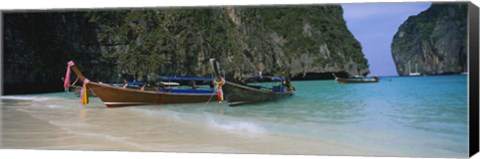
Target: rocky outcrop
(295, 41)
(434, 40)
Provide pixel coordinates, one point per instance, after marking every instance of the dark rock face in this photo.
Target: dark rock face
(295, 41)
(434, 40)
(36, 46)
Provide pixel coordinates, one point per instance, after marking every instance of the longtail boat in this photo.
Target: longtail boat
(236, 94)
(357, 79)
(114, 96)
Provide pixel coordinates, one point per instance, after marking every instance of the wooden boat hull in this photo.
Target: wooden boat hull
(236, 94)
(363, 80)
(118, 96)
(113, 96)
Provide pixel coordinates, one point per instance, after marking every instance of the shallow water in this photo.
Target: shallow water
(399, 116)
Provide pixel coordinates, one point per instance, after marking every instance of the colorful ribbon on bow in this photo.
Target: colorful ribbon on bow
(66, 83)
(83, 92)
(219, 89)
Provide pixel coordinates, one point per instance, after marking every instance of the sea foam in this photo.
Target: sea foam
(237, 126)
(33, 98)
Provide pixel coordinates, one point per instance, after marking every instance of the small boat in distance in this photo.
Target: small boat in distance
(416, 73)
(356, 79)
(236, 94)
(114, 96)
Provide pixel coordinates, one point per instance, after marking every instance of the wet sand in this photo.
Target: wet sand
(97, 128)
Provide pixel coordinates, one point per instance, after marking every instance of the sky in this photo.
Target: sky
(374, 25)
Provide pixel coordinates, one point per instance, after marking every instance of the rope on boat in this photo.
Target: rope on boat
(211, 96)
(74, 82)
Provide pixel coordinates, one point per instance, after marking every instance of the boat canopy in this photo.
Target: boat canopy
(183, 78)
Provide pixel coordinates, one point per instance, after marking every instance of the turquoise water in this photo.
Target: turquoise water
(410, 114)
(400, 116)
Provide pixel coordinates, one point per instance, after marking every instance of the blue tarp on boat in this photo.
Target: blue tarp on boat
(278, 79)
(135, 83)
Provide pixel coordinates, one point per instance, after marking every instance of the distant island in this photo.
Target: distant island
(301, 42)
(435, 41)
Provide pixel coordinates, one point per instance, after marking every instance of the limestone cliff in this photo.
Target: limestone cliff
(434, 40)
(283, 40)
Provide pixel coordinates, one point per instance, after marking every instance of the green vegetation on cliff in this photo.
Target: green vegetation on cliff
(329, 29)
(435, 40)
(144, 43)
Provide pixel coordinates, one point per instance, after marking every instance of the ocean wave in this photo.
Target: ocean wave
(237, 126)
(53, 106)
(32, 98)
(212, 119)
